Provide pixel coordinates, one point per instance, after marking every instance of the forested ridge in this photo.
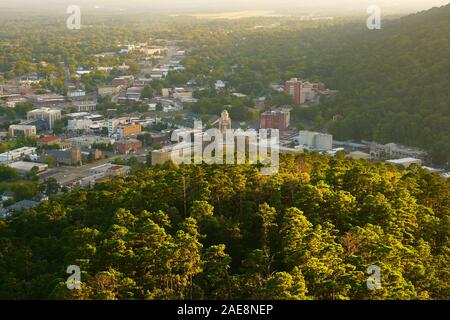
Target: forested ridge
(228, 232)
(393, 83)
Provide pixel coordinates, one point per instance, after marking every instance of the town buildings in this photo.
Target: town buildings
(53, 140)
(134, 93)
(23, 167)
(88, 141)
(85, 106)
(46, 114)
(76, 94)
(71, 157)
(107, 90)
(275, 120)
(22, 130)
(16, 154)
(128, 146)
(118, 123)
(220, 85)
(405, 162)
(302, 91)
(79, 124)
(395, 151)
(224, 121)
(122, 81)
(104, 172)
(315, 141)
(128, 130)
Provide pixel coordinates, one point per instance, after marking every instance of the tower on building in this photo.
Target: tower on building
(225, 121)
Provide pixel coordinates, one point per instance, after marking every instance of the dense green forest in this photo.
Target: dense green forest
(228, 232)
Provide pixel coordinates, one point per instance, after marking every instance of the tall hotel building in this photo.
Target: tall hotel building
(294, 88)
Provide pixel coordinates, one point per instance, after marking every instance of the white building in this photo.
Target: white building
(16, 154)
(85, 106)
(76, 93)
(315, 141)
(219, 85)
(79, 124)
(405, 162)
(47, 114)
(23, 167)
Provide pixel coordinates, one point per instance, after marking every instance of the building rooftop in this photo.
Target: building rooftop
(27, 166)
(24, 204)
(403, 160)
(48, 139)
(3, 212)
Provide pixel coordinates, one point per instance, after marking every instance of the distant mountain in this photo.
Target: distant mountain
(394, 83)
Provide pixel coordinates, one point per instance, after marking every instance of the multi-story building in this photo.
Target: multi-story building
(114, 123)
(315, 141)
(71, 157)
(47, 99)
(224, 121)
(76, 94)
(183, 151)
(122, 81)
(21, 130)
(134, 93)
(87, 141)
(79, 124)
(104, 172)
(301, 91)
(23, 167)
(17, 154)
(396, 151)
(47, 114)
(53, 140)
(128, 146)
(127, 130)
(293, 88)
(108, 90)
(275, 120)
(12, 100)
(85, 106)
(161, 156)
(90, 153)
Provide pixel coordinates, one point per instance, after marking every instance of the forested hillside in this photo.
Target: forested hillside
(308, 232)
(393, 83)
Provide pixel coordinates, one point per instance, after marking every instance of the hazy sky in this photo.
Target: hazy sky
(214, 5)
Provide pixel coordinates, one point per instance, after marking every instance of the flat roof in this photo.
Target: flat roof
(27, 166)
(403, 160)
